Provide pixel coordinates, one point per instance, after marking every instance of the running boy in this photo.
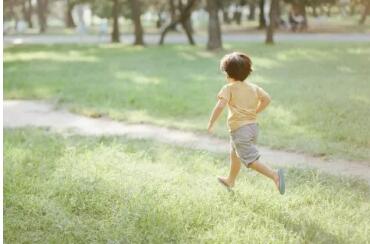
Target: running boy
(244, 101)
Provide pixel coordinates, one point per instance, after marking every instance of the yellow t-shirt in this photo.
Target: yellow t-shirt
(242, 101)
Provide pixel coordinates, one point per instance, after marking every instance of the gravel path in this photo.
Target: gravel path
(22, 113)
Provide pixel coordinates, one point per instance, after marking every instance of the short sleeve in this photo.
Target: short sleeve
(262, 93)
(224, 93)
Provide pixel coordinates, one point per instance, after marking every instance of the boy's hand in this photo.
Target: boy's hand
(217, 110)
(209, 128)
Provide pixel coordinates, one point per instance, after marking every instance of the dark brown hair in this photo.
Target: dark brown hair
(236, 65)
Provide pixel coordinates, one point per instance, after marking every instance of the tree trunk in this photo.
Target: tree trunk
(115, 36)
(252, 10)
(69, 22)
(352, 8)
(184, 15)
(278, 15)
(304, 13)
(237, 15)
(173, 13)
(42, 13)
(27, 12)
(188, 32)
(365, 13)
(270, 29)
(225, 16)
(262, 20)
(159, 21)
(13, 14)
(328, 13)
(314, 11)
(300, 10)
(187, 25)
(136, 13)
(214, 29)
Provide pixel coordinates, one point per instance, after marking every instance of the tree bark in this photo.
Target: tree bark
(328, 13)
(365, 13)
(69, 22)
(186, 24)
(278, 15)
(252, 10)
(226, 18)
(214, 29)
(188, 32)
(304, 13)
(27, 12)
(159, 21)
(115, 36)
(314, 9)
(184, 15)
(173, 13)
(237, 15)
(136, 13)
(272, 22)
(13, 14)
(42, 14)
(262, 20)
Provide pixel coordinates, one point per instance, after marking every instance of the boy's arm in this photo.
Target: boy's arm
(265, 100)
(217, 110)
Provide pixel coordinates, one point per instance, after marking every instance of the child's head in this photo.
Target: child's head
(236, 66)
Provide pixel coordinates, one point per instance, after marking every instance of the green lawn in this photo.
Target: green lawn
(109, 190)
(320, 91)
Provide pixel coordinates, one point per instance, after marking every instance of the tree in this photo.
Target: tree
(272, 23)
(185, 13)
(115, 35)
(366, 12)
(252, 10)
(262, 20)
(42, 8)
(9, 11)
(187, 25)
(237, 15)
(214, 30)
(136, 13)
(299, 8)
(173, 13)
(27, 12)
(109, 9)
(69, 22)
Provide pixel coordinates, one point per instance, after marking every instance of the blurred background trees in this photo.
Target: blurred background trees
(190, 17)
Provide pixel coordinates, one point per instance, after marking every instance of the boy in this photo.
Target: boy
(244, 100)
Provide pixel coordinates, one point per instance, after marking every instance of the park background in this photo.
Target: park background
(155, 64)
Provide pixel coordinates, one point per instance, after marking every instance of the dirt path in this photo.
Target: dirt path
(39, 114)
(178, 38)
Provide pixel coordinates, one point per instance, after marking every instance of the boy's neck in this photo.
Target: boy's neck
(231, 80)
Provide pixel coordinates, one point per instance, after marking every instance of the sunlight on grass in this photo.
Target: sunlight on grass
(362, 99)
(345, 69)
(71, 56)
(264, 63)
(110, 189)
(358, 50)
(308, 54)
(187, 56)
(136, 77)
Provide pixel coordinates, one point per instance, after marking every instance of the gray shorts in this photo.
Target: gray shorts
(243, 141)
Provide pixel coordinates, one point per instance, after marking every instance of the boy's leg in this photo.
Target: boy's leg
(235, 165)
(265, 170)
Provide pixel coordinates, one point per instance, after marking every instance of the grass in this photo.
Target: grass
(109, 190)
(320, 91)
